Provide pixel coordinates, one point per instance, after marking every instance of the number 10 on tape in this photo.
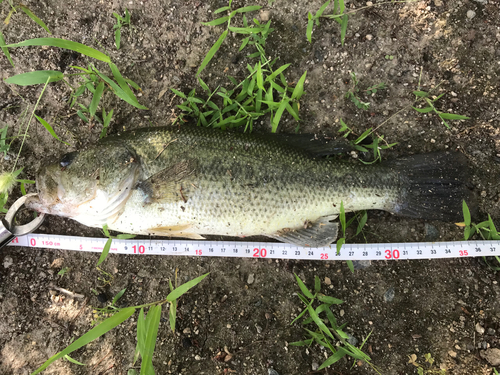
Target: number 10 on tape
(387, 251)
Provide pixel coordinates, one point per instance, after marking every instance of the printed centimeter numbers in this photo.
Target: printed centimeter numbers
(423, 250)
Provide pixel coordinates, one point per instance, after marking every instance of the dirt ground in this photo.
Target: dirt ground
(449, 308)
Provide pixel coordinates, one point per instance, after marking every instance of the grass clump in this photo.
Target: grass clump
(485, 229)
(325, 330)
(427, 369)
(264, 90)
(147, 326)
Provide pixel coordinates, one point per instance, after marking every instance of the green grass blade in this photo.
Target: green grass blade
(423, 110)
(278, 114)
(320, 11)
(340, 242)
(212, 52)
(90, 336)
(216, 22)
(317, 284)
(118, 38)
(35, 78)
(153, 322)
(179, 291)
(251, 8)
(310, 24)
(350, 265)
(49, 128)
(260, 79)
(330, 300)
(121, 82)
(96, 98)
(67, 44)
(68, 358)
(319, 322)
(452, 116)
(105, 251)
(120, 93)
(333, 358)
(220, 10)
(277, 72)
(362, 223)
(118, 296)
(5, 49)
(342, 217)
(299, 87)
(303, 287)
(30, 14)
(465, 209)
(141, 334)
(172, 315)
(292, 112)
(421, 94)
(343, 28)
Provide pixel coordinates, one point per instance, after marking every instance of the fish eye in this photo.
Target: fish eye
(67, 159)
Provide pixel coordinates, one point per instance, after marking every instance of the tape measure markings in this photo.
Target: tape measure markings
(378, 251)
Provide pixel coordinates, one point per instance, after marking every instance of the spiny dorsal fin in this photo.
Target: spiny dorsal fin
(314, 144)
(318, 234)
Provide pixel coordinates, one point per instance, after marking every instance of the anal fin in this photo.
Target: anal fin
(318, 234)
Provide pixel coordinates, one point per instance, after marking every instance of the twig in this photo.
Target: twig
(68, 293)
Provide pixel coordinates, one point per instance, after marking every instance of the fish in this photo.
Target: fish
(191, 182)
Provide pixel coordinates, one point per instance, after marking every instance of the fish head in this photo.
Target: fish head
(91, 186)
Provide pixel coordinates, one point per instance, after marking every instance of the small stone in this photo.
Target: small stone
(258, 328)
(491, 355)
(342, 312)
(186, 330)
(361, 264)
(53, 292)
(471, 14)
(328, 281)
(452, 354)
(228, 326)
(8, 261)
(491, 332)
(389, 294)
(352, 340)
(315, 366)
(197, 357)
(369, 4)
(369, 36)
(251, 279)
(265, 15)
(479, 329)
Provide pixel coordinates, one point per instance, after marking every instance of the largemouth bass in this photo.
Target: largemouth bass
(192, 181)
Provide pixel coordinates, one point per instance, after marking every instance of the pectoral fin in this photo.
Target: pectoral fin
(171, 184)
(318, 234)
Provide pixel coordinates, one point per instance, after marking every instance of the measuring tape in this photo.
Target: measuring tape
(378, 251)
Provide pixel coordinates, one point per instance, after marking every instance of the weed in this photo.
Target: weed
(362, 217)
(430, 368)
(431, 108)
(485, 229)
(251, 98)
(63, 271)
(331, 337)
(353, 93)
(120, 22)
(147, 326)
(338, 15)
(107, 246)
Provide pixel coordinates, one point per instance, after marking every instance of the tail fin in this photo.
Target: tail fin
(433, 186)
